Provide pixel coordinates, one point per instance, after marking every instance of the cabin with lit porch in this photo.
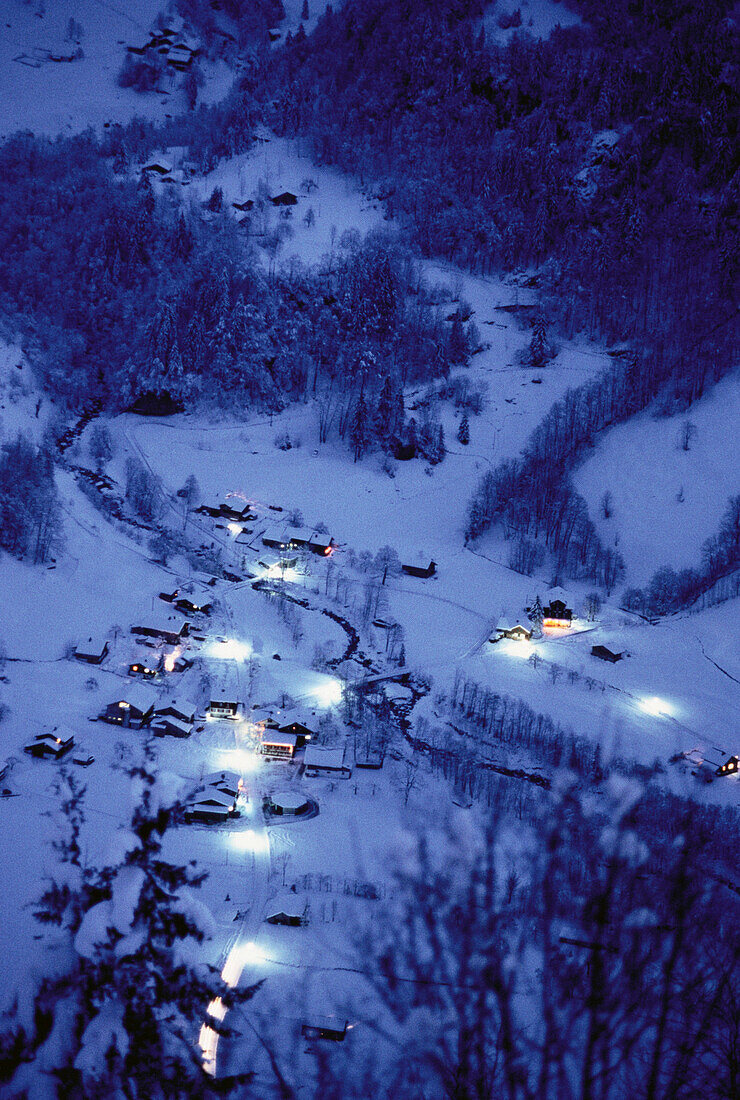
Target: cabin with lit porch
(513, 630)
(144, 670)
(730, 767)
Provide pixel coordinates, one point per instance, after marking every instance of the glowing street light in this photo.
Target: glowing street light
(656, 706)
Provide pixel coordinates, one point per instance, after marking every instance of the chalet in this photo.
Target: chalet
(223, 708)
(288, 909)
(134, 709)
(556, 613)
(166, 726)
(279, 746)
(321, 544)
(92, 650)
(211, 804)
(145, 671)
(515, 631)
(285, 198)
(167, 630)
(169, 597)
(324, 1027)
(605, 654)
(730, 767)
(420, 570)
(51, 746)
(242, 206)
(287, 804)
(183, 712)
(325, 761)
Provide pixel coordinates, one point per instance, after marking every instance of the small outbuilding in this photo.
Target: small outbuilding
(180, 710)
(92, 650)
(605, 654)
(324, 1027)
(285, 198)
(423, 569)
(288, 803)
(288, 909)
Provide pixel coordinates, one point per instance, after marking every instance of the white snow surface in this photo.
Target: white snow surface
(644, 467)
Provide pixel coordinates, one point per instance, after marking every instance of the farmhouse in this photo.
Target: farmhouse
(556, 613)
(280, 746)
(515, 631)
(167, 630)
(298, 538)
(325, 761)
(605, 654)
(293, 722)
(134, 709)
(92, 650)
(51, 746)
(424, 569)
(211, 805)
(189, 608)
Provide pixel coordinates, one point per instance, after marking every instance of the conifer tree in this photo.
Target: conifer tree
(358, 427)
(463, 432)
(536, 617)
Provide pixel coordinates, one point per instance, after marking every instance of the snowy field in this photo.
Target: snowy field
(644, 467)
(539, 18)
(63, 97)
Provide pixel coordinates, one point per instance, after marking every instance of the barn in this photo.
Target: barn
(51, 746)
(325, 761)
(605, 654)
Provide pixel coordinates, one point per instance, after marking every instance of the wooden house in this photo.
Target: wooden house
(189, 608)
(730, 767)
(182, 711)
(230, 783)
(223, 708)
(242, 206)
(167, 630)
(321, 761)
(134, 708)
(288, 909)
(92, 650)
(421, 570)
(51, 746)
(285, 198)
(169, 597)
(167, 726)
(605, 654)
(294, 722)
(279, 746)
(321, 544)
(211, 805)
(158, 168)
(142, 669)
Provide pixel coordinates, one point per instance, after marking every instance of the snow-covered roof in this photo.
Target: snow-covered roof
(170, 624)
(225, 781)
(63, 733)
(557, 593)
(138, 695)
(213, 794)
(274, 737)
(319, 757)
(287, 902)
(288, 800)
(162, 722)
(91, 647)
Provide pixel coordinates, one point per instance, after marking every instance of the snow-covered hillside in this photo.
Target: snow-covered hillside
(52, 97)
(668, 479)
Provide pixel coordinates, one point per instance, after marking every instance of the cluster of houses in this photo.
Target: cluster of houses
(177, 50)
(557, 616)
